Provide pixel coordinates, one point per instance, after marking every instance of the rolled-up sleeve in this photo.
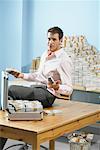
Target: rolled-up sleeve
(29, 76)
(37, 77)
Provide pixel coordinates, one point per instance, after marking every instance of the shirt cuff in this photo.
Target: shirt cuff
(64, 89)
(26, 76)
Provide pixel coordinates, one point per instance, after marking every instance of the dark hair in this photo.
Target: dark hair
(54, 30)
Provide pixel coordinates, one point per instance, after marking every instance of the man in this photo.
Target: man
(55, 64)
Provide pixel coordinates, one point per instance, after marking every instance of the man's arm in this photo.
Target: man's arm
(14, 72)
(63, 76)
(65, 72)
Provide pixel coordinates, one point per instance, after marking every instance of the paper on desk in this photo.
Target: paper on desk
(52, 112)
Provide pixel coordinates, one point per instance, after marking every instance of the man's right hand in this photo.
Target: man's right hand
(15, 73)
(21, 75)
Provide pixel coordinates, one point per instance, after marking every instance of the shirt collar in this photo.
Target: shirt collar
(58, 52)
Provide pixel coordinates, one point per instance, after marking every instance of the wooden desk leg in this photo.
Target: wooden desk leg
(36, 144)
(52, 144)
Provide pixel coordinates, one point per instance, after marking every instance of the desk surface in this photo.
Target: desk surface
(71, 111)
(75, 115)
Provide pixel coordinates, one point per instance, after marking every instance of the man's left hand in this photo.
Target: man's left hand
(54, 85)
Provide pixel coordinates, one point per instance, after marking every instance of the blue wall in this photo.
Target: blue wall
(10, 33)
(24, 24)
(73, 16)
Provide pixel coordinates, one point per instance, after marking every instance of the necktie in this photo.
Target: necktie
(50, 55)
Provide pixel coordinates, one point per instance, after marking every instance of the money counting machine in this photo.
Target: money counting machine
(19, 109)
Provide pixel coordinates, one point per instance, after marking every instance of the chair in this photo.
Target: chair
(24, 146)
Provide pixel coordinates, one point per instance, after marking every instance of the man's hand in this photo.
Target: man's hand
(54, 85)
(15, 73)
(21, 75)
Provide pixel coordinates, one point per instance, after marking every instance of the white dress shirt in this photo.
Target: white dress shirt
(60, 63)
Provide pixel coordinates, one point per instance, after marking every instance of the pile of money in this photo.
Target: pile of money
(86, 61)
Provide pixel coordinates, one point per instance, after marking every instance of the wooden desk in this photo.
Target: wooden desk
(75, 115)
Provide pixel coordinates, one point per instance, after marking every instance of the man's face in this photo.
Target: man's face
(54, 43)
